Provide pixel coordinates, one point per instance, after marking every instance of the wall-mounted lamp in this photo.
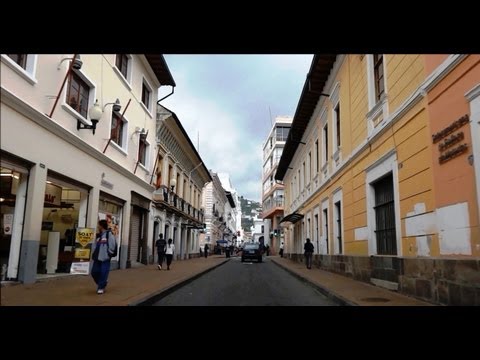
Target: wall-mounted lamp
(173, 182)
(95, 113)
(77, 62)
(140, 131)
(116, 105)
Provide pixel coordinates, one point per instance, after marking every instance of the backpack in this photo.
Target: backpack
(115, 250)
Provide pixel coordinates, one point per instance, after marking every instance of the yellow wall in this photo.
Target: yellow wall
(409, 135)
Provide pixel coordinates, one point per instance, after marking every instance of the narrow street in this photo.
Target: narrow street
(246, 284)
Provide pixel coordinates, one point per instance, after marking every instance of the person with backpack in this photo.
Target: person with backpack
(160, 244)
(103, 249)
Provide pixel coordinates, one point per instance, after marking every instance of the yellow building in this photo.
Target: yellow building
(358, 172)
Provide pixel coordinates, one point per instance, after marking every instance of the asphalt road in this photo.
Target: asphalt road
(246, 284)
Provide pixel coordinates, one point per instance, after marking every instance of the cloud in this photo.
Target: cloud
(226, 100)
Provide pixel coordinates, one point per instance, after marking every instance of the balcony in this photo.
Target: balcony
(164, 198)
(272, 205)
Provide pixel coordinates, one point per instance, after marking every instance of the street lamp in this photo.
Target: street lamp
(173, 182)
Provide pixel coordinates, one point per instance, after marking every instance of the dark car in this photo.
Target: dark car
(251, 251)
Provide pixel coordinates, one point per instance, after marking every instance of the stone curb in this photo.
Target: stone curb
(325, 291)
(156, 296)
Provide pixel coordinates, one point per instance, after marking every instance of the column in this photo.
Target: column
(27, 271)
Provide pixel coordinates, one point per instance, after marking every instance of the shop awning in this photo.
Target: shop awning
(293, 218)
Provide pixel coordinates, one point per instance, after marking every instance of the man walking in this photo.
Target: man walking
(308, 247)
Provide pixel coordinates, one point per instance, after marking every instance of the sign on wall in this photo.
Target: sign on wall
(53, 194)
(450, 144)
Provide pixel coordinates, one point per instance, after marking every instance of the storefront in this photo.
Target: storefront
(137, 246)
(64, 210)
(13, 188)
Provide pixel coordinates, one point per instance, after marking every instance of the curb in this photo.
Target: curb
(325, 291)
(154, 297)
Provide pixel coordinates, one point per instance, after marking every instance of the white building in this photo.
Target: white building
(214, 200)
(78, 138)
(235, 224)
(273, 191)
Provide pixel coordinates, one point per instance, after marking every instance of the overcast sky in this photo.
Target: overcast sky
(226, 99)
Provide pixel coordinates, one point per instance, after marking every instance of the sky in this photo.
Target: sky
(225, 101)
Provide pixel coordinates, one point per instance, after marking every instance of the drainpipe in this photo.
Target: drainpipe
(163, 98)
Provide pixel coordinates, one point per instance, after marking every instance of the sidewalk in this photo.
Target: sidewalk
(125, 287)
(345, 290)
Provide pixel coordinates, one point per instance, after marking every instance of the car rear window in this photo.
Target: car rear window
(251, 247)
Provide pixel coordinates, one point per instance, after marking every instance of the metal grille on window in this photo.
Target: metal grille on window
(385, 216)
(339, 226)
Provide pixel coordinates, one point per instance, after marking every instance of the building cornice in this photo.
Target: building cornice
(44, 121)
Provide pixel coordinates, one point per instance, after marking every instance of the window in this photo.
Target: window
(385, 230)
(178, 183)
(118, 130)
(378, 75)
(122, 64)
(325, 144)
(304, 179)
(20, 59)
(170, 170)
(146, 94)
(316, 233)
(142, 150)
(316, 157)
(159, 172)
(338, 230)
(299, 189)
(309, 166)
(337, 126)
(282, 133)
(23, 64)
(78, 92)
(325, 228)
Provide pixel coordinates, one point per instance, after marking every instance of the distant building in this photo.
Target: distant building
(273, 191)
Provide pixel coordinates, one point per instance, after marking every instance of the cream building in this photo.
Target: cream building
(78, 145)
(180, 176)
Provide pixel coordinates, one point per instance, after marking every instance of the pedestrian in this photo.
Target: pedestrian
(308, 247)
(160, 244)
(169, 250)
(281, 249)
(103, 249)
(206, 250)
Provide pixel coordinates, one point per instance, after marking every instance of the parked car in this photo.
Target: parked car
(251, 251)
